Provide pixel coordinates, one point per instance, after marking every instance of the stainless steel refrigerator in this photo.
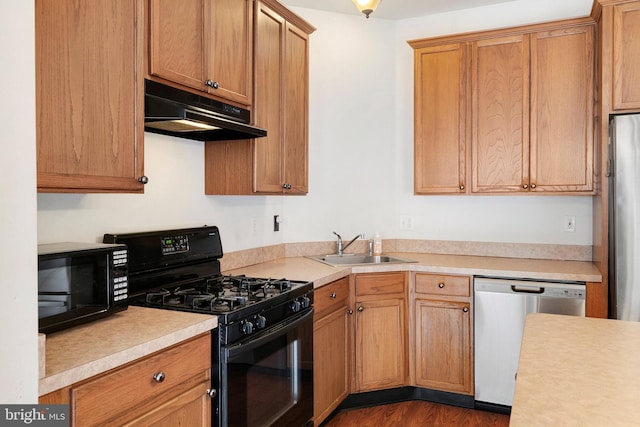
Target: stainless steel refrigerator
(624, 216)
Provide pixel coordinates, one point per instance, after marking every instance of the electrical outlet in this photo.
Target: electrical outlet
(406, 222)
(254, 226)
(570, 223)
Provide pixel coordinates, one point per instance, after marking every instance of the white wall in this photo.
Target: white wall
(361, 137)
(18, 262)
(173, 198)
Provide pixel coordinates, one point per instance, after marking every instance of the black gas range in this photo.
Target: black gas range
(263, 343)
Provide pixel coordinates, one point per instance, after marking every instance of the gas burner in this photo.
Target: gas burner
(228, 303)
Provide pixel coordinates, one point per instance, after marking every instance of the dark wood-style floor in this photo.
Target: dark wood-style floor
(417, 414)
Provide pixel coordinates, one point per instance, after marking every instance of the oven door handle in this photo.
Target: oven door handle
(275, 332)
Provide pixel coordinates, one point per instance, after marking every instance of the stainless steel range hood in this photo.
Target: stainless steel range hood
(179, 113)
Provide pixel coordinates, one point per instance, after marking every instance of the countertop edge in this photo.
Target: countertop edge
(96, 367)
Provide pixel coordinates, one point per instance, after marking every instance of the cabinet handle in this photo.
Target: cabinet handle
(349, 312)
(158, 377)
(333, 295)
(533, 186)
(212, 84)
(360, 308)
(466, 309)
(212, 392)
(525, 186)
(143, 179)
(286, 186)
(441, 285)
(461, 187)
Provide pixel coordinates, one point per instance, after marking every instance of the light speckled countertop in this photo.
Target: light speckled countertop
(576, 371)
(84, 351)
(87, 350)
(301, 268)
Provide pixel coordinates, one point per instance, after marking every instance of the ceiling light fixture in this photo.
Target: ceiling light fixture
(366, 6)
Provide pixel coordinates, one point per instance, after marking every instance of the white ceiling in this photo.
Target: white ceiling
(394, 9)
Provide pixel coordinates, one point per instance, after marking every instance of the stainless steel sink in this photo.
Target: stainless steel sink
(359, 259)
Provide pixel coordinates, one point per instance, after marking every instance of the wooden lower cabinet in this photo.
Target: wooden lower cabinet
(443, 333)
(380, 331)
(331, 338)
(167, 388)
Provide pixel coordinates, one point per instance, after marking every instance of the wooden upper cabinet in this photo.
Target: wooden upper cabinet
(203, 44)
(531, 112)
(296, 110)
(269, 102)
(626, 56)
(500, 130)
(440, 121)
(89, 95)
(562, 103)
(277, 163)
(281, 103)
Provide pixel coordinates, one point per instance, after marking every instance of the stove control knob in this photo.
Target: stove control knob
(260, 321)
(305, 301)
(295, 306)
(247, 327)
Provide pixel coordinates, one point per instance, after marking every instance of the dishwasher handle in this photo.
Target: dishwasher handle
(529, 290)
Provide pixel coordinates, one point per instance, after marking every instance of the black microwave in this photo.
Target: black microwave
(80, 282)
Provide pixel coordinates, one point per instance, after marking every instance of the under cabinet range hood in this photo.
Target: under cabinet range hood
(179, 113)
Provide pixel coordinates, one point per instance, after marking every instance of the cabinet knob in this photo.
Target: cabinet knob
(158, 377)
(349, 312)
(461, 187)
(333, 295)
(286, 186)
(465, 309)
(212, 392)
(212, 84)
(525, 186)
(143, 179)
(361, 308)
(533, 186)
(441, 285)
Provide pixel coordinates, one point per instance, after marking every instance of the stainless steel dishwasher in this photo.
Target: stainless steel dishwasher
(501, 306)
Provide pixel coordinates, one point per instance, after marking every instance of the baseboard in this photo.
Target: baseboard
(493, 407)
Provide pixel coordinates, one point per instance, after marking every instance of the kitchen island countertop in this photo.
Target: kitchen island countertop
(577, 371)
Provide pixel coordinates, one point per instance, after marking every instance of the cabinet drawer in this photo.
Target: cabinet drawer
(124, 391)
(380, 283)
(443, 285)
(331, 296)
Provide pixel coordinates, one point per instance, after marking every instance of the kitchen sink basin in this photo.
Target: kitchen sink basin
(359, 259)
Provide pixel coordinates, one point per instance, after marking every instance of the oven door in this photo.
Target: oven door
(268, 381)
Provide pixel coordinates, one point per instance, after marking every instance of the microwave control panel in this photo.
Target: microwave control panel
(120, 259)
(174, 244)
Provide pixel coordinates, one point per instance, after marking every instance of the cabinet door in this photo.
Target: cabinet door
(441, 87)
(268, 102)
(330, 362)
(500, 110)
(562, 86)
(192, 408)
(380, 348)
(296, 101)
(443, 348)
(626, 56)
(89, 95)
(228, 44)
(177, 41)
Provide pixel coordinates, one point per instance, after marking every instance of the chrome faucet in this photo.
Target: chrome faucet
(342, 247)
